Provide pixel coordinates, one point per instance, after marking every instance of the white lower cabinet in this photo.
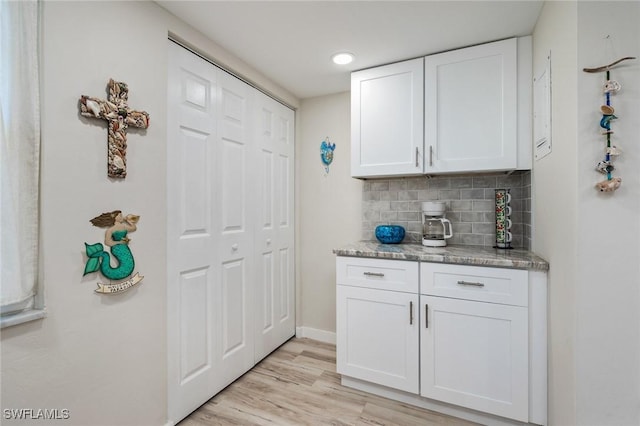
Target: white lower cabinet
(377, 332)
(474, 354)
(379, 336)
(475, 339)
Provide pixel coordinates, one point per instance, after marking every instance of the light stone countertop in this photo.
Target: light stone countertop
(461, 255)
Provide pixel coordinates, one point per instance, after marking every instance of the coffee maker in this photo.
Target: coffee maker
(436, 229)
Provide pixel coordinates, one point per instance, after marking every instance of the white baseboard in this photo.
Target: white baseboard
(315, 334)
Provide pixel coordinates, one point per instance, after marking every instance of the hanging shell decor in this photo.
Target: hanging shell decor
(605, 166)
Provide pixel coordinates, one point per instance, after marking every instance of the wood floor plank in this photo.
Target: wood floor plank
(298, 385)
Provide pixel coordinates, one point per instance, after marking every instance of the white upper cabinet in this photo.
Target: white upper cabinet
(471, 113)
(387, 120)
(471, 100)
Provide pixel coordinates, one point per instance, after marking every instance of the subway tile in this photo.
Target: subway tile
(397, 184)
(516, 193)
(462, 228)
(489, 216)
(380, 185)
(371, 195)
(461, 205)
(415, 206)
(428, 195)
(378, 205)
(472, 194)
(472, 217)
(413, 237)
(417, 183)
(516, 205)
(414, 227)
(483, 228)
(388, 195)
(484, 181)
(452, 216)
(371, 215)
(483, 206)
(388, 215)
(439, 183)
(517, 229)
(449, 194)
(399, 206)
(407, 195)
(471, 239)
(516, 216)
(461, 182)
(489, 240)
(509, 181)
(415, 216)
(470, 205)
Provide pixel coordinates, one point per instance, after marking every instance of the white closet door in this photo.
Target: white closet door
(234, 231)
(230, 259)
(193, 310)
(274, 261)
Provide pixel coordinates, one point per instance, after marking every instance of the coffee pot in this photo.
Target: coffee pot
(436, 229)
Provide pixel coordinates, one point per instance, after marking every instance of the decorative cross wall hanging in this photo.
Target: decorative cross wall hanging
(119, 116)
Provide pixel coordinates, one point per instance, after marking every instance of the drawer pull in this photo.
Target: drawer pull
(471, 284)
(410, 313)
(374, 274)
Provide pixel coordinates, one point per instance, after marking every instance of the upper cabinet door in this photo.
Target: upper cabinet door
(387, 120)
(471, 109)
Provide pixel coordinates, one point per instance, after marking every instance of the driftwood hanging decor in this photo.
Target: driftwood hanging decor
(605, 166)
(119, 116)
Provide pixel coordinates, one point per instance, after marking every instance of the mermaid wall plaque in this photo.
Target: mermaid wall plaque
(116, 237)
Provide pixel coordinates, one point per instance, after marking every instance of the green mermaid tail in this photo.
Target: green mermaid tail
(100, 259)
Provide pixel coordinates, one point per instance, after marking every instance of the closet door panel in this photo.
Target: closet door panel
(235, 230)
(274, 236)
(192, 311)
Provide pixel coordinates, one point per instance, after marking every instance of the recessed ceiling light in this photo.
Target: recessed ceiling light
(342, 58)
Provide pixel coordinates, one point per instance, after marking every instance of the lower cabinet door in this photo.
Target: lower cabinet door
(377, 336)
(475, 355)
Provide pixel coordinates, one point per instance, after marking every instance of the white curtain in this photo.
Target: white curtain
(19, 152)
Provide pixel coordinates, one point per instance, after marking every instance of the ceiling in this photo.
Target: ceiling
(291, 42)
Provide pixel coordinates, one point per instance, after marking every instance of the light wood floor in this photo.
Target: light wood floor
(298, 385)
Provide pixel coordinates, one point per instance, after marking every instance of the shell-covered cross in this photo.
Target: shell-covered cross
(119, 116)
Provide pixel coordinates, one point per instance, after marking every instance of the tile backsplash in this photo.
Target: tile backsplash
(470, 206)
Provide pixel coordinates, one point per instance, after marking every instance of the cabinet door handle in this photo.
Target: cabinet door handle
(374, 274)
(471, 283)
(426, 316)
(417, 156)
(410, 313)
(431, 155)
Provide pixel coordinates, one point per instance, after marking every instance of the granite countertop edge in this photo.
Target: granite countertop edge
(461, 255)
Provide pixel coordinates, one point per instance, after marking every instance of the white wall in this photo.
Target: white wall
(554, 180)
(329, 206)
(101, 357)
(590, 239)
(607, 343)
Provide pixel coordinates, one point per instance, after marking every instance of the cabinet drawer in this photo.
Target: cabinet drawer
(383, 274)
(494, 285)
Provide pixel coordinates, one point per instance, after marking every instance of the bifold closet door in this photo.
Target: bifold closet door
(193, 284)
(235, 177)
(230, 230)
(274, 234)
